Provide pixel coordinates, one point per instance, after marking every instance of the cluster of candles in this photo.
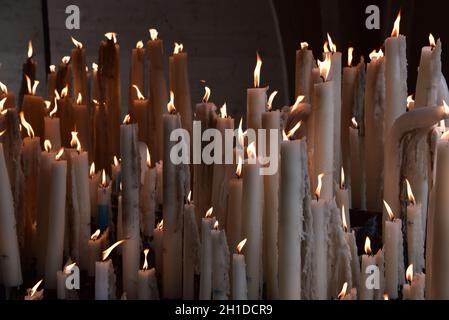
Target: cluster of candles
(291, 229)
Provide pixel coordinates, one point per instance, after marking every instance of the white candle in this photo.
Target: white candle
(415, 236)
(256, 100)
(148, 197)
(52, 128)
(105, 279)
(62, 292)
(303, 72)
(357, 197)
(368, 261)
(147, 285)
(239, 285)
(234, 215)
(207, 224)
(342, 198)
(158, 234)
(380, 262)
(414, 288)
(33, 293)
(220, 264)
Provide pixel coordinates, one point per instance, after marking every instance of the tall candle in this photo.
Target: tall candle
(342, 198)
(139, 115)
(303, 72)
(158, 233)
(357, 196)
(28, 70)
(103, 207)
(147, 285)
(220, 264)
(51, 82)
(78, 61)
(66, 119)
(52, 128)
(207, 224)
(136, 75)
(355, 262)
(182, 87)
(415, 236)
(256, 100)
(234, 215)
(148, 198)
(33, 108)
(82, 123)
(239, 285)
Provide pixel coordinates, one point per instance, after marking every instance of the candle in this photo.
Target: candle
(158, 234)
(105, 276)
(357, 196)
(290, 218)
(147, 286)
(148, 197)
(319, 213)
(207, 224)
(131, 215)
(78, 62)
(234, 214)
(379, 293)
(415, 236)
(368, 261)
(159, 181)
(157, 90)
(28, 70)
(256, 100)
(220, 264)
(350, 240)
(33, 108)
(191, 251)
(10, 266)
(56, 219)
(103, 203)
(139, 115)
(374, 130)
(94, 181)
(394, 258)
(395, 77)
(181, 87)
(62, 292)
(94, 82)
(116, 173)
(342, 198)
(94, 249)
(303, 72)
(100, 136)
(52, 127)
(252, 210)
(414, 288)
(65, 114)
(8, 97)
(82, 123)
(324, 132)
(136, 77)
(239, 285)
(33, 293)
(64, 75)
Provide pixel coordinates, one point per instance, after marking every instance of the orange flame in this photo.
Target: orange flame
(298, 100)
(106, 252)
(65, 59)
(342, 293)
(251, 150)
(238, 171)
(431, 40)
(3, 87)
(270, 100)
(350, 51)
(241, 137)
(332, 46)
(223, 111)
(104, 181)
(65, 91)
(386, 297)
(139, 94)
(2, 132)
(111, 36)
(376, 55)
(389, 211)
(241, 245)
(216, 225)
(292, 131)
(171, 104)
(153, 34)
(77, 44)
(139, 44)
(160, 225)
(342, 179)
(304, 45)
(343, 218)
(325, 67)
(368, 246)
(206, 94)
(75, 142)
(27, 126)
(395, 32)
(409, 273)
(148, 158)
(94, 67)
(79, 98)
(209, 212)
(410, 195)
(34, 289)
(2, 104)
(59, 154)
(145, 263)
(95, 235)
(178, 48)
(68, 268)
(126, 119)
(115, 160)
(319, 186)
(47, 146)
(31, 88)
(257, 71)
(52, 68)
(92, 169)
(189, 197)
(30, 49)
(355, 125)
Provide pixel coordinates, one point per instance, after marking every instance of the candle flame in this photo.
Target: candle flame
(92, 169)
(389, 211)
(115, 160)
(326, 47)
(59, 154)
(298, 100)
(68, 268)
(47, 145)
(65, 91)
(257, 71)
(241, 245)
(251, 150)
(446, 108)
(395, 32)
(376, 55)
(3, 87)
(2, 132)
(29, 87)
(319, 186)
(386, 297)
(410, 195)
(171, 104)
(342, 179)
(65, 59)
(75, 141)
(27, 126)
(160, 225)
(332, 46)
(111, 36)
(106, 252)
(94, 67)
(342, 293)
(325, 67)
(34, 289)
(77, 43)
(350, 51)
(178, 48)
(145, 263)
(206, 94)
(139, 44)
(368, 246)
(270, 100)
(409, 273)
(95, 235)
(52, 68)
(216, 225)
(209, 212)
(410, 100)
(47, 104)
(139, 94)
(148, 158)
(126, 119)
(343, 218)
(355, 125)
(2, 104)
(238, 171)
(292, 131)
(241, 138)
(30, 49)
(223, 111)
(431, 40)
(189, 197)
(104, 181)
(153, 34)
(304, 45)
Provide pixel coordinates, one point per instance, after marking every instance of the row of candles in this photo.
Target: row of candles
(299, 247)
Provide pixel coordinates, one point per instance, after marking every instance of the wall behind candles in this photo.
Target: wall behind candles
(221, 38)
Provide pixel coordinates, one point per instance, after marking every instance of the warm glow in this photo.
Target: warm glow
(52, 68)
(30, 49)
(160, 225)
(343, 218)
(395, 32)
(241, 137)
(47, 104)
(410, 100)
(332, 45)
(216, 225)
(368, 246)
(320, 184)
(25, 124)
(153, 34)
(2, 132)
(178, 48)
(238, 171)
(65, 59)
(209, 212)
(431, 40)
(292, 131)
(350, 51)
(409, 273)
(34, 289)
(326, 47)
(115, 160)
(92, 169)
(355, 125)
(342, 293)
(342, 179)
(148, 158)
(94, 66)
(389, 211)
(325, 67)
(2, 104)
(171, 104)
(139, 94)
(284, 136)
(29, 85)
(189, 197)
(111, 36)
(75, 141)
(206, 94)
(295, 106)
(104, 182)
(106, 252)
(145, 263)
(376, 55)
(95, 235)
(59, 154)
(3, 87)
(270, 100)
(68, 268)
(386, 297)
(304, 45)
(223, 111)
(251, 150)
(126, 119)
(241, 245)
(77, 44)
(139, 44)
(446, 108)
(47, 145)
(65, 91)
(410, 195)
(257, 71)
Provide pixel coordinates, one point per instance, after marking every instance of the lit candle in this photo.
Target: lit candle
(207, 224)
(28, 70)
(368, 261)
(10, 99)
(33, 108)
(148, 197)
(158, 234)
(139, 115)
(342, 198)
(62, 292)
(303, 72)
(345, 295)
(105, 278)
(116, 173)
(220, 264)
(234, 215)
(52, 127)
(147, 287)
(94, 249)
(94, 181)
(33, 293)
(350, 240)
(136, 77)
(82, 123)
(415, 236)
(414, 288)
(256, 100)
(103, 202)
(355, 141)
(78, 62)
(239, 285)
(65, 114)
